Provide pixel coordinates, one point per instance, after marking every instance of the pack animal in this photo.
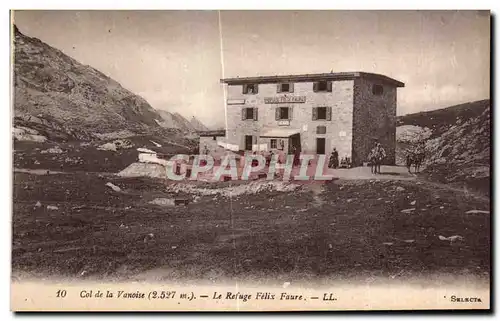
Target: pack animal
(375, 158)
(415, 158)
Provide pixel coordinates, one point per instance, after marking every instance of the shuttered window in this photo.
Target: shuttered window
(249, 113)
(322, 86)
(285, 88)
(283, 113)
(322, 113)
(249, 89)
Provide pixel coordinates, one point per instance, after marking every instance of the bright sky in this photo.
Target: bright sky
(173, 58)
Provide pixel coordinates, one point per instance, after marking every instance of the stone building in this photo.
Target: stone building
(314, 113)
(211, 140)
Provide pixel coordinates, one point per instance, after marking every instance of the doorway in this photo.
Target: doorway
(294, 141)
(320, 146)
(248, 142)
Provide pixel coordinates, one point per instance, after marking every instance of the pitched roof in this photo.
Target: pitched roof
(312, 77)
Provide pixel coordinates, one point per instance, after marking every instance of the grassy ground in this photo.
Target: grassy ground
(337, 231)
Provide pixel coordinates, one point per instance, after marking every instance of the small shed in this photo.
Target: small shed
(211, 140)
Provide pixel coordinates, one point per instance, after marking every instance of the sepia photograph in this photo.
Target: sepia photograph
(250, 160)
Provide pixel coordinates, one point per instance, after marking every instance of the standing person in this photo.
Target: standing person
(296, 156)
(334, 159)
(380, 155)
(269, 157)
(372, 160)
(203, 162)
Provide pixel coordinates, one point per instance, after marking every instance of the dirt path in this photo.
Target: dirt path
(398, 173)
(388, 172)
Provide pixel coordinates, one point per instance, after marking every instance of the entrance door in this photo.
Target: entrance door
(294, 141)
(320, 146)
(248, 142)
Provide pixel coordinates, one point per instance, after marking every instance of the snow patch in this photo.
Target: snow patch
(163, 202)
(155, 143)
(115, 145)
(477, 212)
(144, 169)
(53, 150)
(27, 134)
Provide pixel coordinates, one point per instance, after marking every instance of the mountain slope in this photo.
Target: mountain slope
(176, 120)
(440, 120)
(168, 120)
(54, 89)
(198, 125)
(182, 122)
(458, 144)
(68, 116)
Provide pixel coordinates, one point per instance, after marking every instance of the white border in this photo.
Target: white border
(253, 5)
(5, 136)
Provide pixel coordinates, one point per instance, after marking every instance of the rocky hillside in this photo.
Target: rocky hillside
(68, 116)
(198, 125)
(457, 143)
(181, 121)
(441, 120)
(67, 99)
(176, 120)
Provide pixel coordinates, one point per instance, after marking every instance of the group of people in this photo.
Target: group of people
(375, 158)
(333, 162)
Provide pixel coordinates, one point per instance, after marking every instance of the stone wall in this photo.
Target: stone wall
(338, 129)
(374, 120)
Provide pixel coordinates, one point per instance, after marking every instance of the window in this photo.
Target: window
(321, 130)
(249, 114)
(214, 138)
(250, 89)
(274, 143)
(377, 90)
(283, 113)
(322, 86)
(322, 113)
(285, 88)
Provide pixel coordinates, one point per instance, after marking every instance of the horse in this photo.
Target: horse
(415, 158)
(375, 158)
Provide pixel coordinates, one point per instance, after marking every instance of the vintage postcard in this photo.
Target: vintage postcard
(250, 160)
